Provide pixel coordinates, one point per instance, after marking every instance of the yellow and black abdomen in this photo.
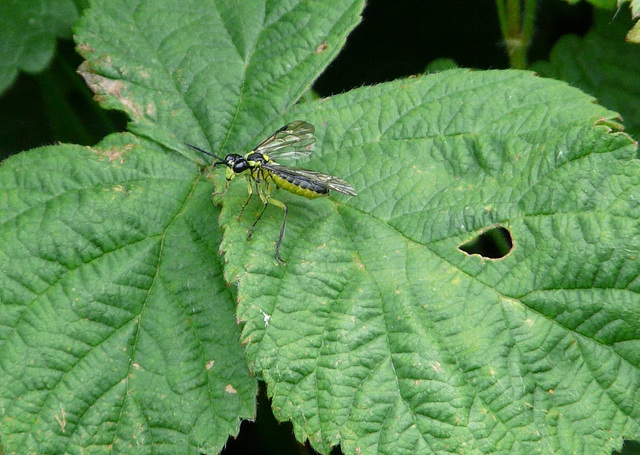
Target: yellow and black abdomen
(298, 184)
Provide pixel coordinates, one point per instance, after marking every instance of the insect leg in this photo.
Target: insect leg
(264, 196)
(284, 223)
(257, 219)
(250, 191)
(264, 191)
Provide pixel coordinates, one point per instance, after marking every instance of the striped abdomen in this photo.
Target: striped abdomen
(298, 184)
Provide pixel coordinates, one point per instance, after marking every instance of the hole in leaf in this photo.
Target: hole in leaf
(494, 243)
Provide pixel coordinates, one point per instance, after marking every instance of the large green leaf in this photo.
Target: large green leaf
(117, 330)
(28, 32)
(209, 72)
(382, 335)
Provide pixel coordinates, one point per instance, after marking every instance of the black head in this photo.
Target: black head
(236, 162)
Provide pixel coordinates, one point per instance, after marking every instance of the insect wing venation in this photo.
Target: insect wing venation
(293, 141)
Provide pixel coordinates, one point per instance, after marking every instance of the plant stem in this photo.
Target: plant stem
(516, 26)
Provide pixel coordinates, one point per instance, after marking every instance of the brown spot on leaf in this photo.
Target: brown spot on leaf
(113, 154)
(84, 48)
(323, 46)
(106, 89)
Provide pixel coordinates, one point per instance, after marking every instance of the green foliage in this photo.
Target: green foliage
(119, 329)
(28, 29)
(381, 335)
(608, 4)
(116, 322)
(603, 65)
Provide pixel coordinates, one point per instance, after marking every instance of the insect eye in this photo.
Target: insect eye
(240, 166)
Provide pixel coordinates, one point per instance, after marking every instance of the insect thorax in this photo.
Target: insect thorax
(256, 159)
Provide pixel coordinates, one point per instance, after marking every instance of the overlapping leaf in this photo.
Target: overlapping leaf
(213, 73)
(115, 323)
(382, 335)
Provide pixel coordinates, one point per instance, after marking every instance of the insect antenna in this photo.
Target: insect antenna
(221, 161)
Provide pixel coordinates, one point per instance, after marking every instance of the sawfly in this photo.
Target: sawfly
(293, 141)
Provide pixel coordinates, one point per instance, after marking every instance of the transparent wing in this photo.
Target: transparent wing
(334, 183)
(293, 141)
